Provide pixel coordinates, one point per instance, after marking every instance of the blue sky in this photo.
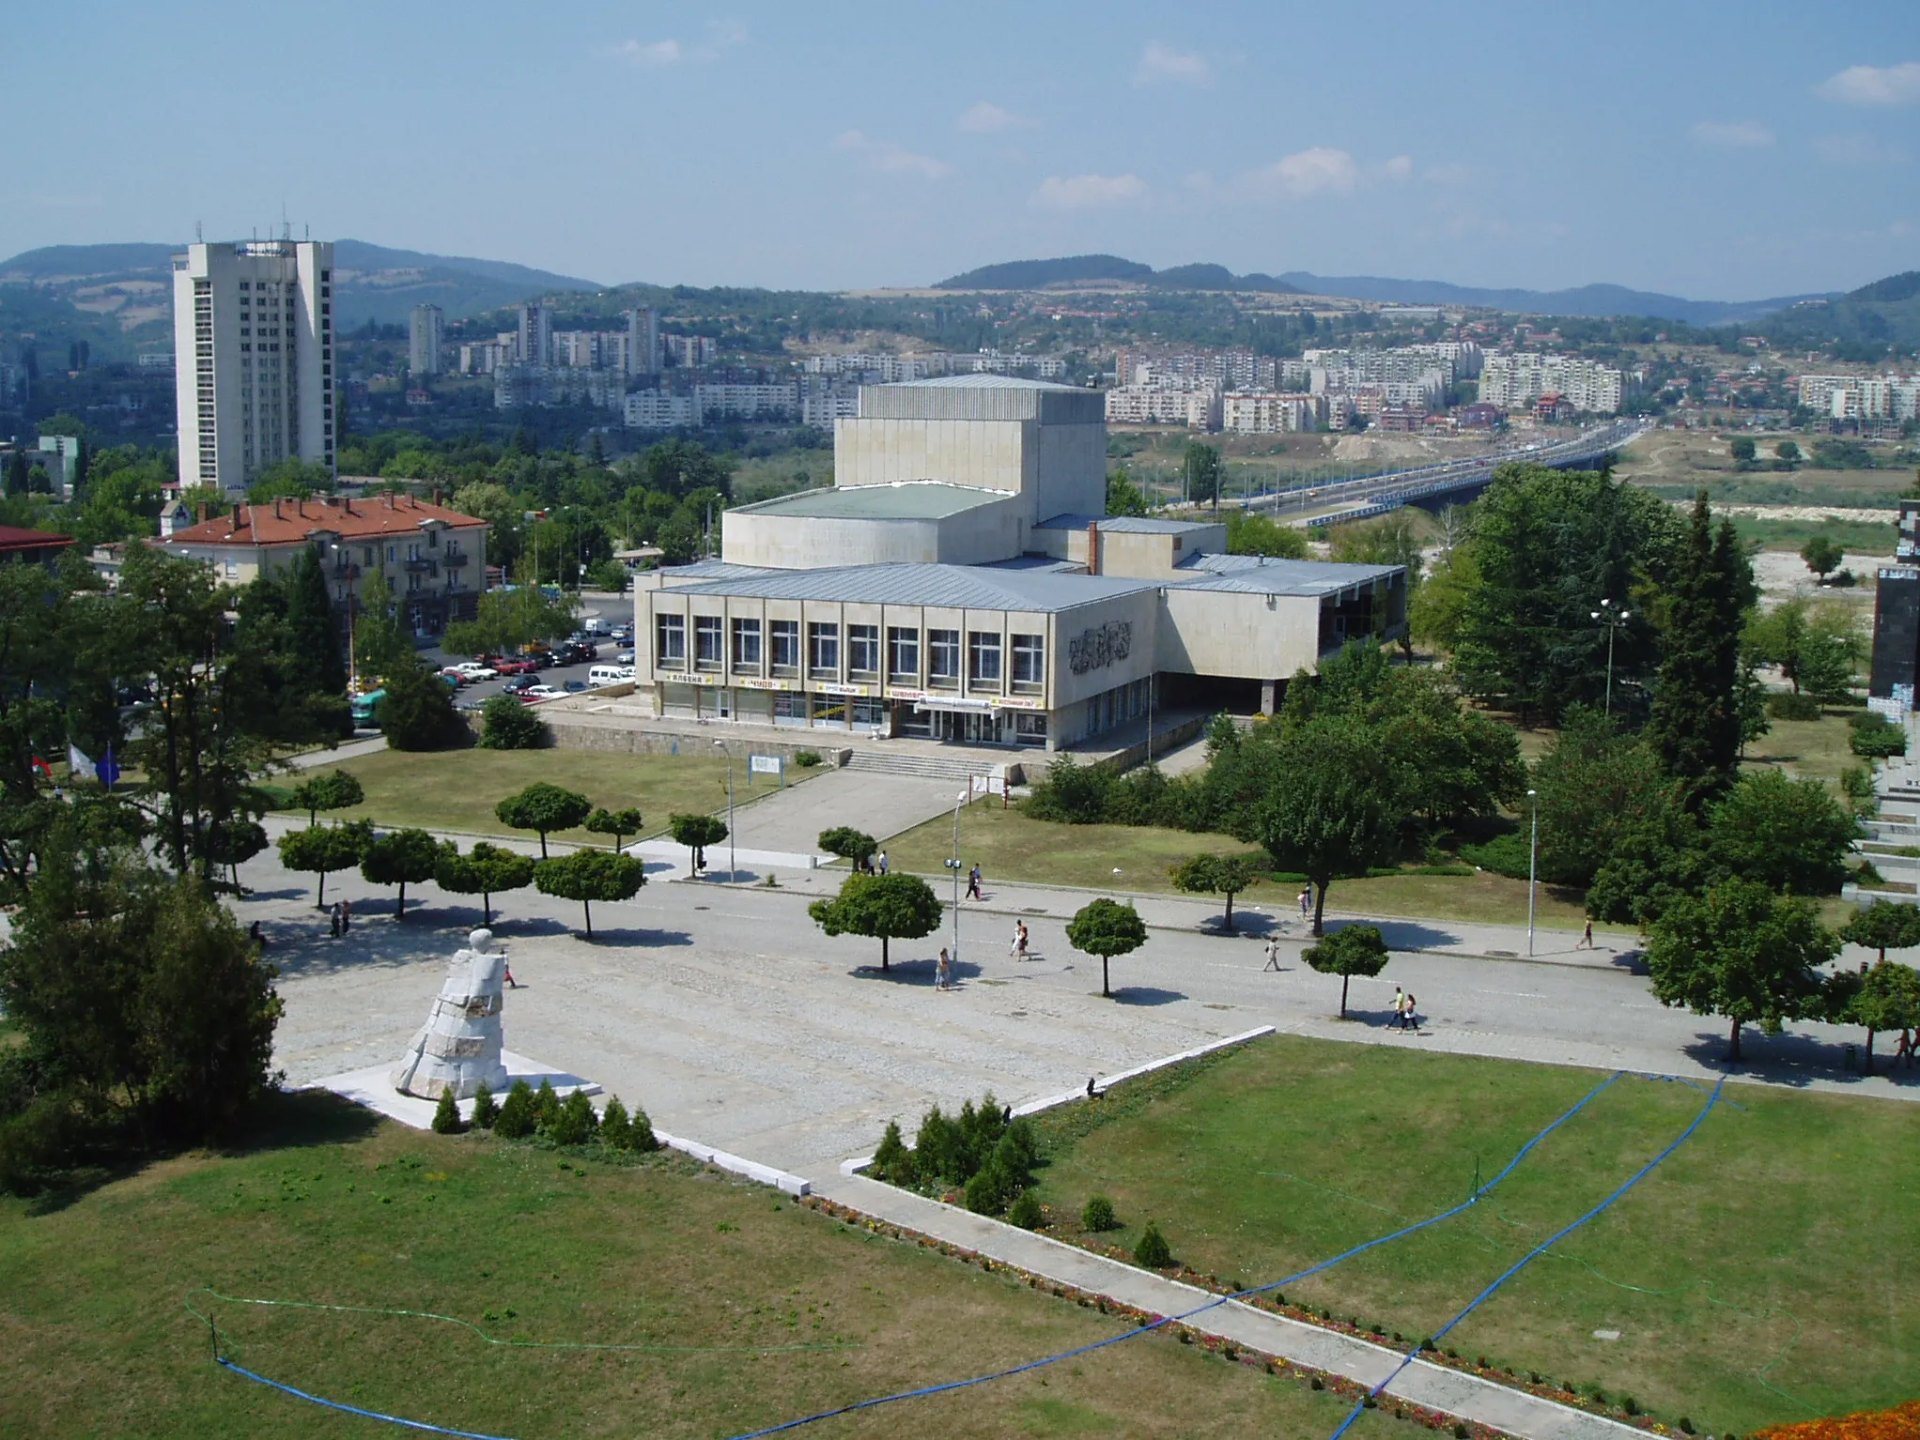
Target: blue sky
(1716, 150)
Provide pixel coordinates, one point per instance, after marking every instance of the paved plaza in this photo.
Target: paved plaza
(732, 1019)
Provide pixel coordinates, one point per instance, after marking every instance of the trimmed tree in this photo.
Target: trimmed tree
(419, 713)
(696, 832)
(1790, 835)
(1823, 555)
(401, 857)
(1884, 928)
(509, 723)
(544, 808)
(1106, 928)
(848, 843)
(1740, 952)
(1216, 875)
(881, 907)
(1355, 950)
(590, 875)
(1333, 806)
(327, 792)
(324, 849)
(1885, 997)
(485, 870)
(617, 823)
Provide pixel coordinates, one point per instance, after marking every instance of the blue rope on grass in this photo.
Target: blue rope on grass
(1078, 1351)
(1534, 1254)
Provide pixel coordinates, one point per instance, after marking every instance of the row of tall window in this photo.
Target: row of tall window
(989, 657)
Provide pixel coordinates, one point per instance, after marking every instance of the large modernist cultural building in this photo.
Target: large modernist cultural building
(958, 582)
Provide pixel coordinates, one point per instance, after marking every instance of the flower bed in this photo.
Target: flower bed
(1900, 1423)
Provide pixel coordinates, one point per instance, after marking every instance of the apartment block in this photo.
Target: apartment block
(1266, 413)
(1197, 409)
(253, 327)
(643, 341)
(424, 333)
(658, 410)
(1515, 380)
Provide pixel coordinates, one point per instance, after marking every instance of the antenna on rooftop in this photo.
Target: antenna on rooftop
(198, 237)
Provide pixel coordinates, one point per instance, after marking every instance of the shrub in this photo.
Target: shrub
(1686, 1426)
(546, 1104)
(1460, 1431)
(806, 759)
(1632, 1407)
(574, 1122)
(1785, 705)
(516, 1119)
(1016, 1154)
(641, 1131)
(1875, 737)
(891, 1158)
(616, 1130)
(507, 723)
(1152, 1251)
(485, 1109)
(987, 1192)
(1097, 1214)
(1026, 1211)
(446, 1115)
(1507, 855)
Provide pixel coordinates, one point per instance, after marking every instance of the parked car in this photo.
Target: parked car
(475, 671)
(625, 657)
(542, 692)
(574, 687)
(609, 675)
(519, 684)
(455, 674)
(514, 667)
(576, 653)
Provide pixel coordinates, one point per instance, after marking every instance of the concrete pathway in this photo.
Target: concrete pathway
(346, 750)
(1434, 1386)
(790, 820)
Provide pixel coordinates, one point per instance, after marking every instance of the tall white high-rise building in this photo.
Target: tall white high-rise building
(643, 342)
(535, 343)
(253, 341)
(424, 333)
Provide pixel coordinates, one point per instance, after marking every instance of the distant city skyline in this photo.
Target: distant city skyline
(1715, 151)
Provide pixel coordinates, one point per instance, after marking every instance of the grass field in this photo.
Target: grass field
(1759, 1276)
(724, 1280)
(1808, 749)
(457, 789)
(1011, 846)
(1859, 537)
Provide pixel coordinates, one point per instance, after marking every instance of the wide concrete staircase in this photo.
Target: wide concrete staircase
(928, 767)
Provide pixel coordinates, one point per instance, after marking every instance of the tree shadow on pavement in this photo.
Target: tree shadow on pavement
(1399, 934)
(631, 937)
(916, 972)
(1145, 995)
(1799, 1060)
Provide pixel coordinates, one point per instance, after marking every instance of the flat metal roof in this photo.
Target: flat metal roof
(1264, 575)
(983, 380)
(1129, 524)
(897, 500)
(956, 587)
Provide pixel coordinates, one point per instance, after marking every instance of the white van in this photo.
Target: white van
(609, 675)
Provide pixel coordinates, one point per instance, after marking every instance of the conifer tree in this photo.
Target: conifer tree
(1695, 722)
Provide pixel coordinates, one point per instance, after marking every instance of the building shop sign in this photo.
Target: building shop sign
(1099, 646)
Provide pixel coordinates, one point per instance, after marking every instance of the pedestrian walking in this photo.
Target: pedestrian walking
(512, 984)
(943, 976)
(883, 862)
(346, 916)
(1273, 953)
(1413, 1015)
(1306, 902)
(973, 882)
(333, 919)
(1020, 940)
(1399, 1007)
(1586, 940)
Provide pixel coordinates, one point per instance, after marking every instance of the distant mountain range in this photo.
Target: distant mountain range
(373, 283)
(1586, 300)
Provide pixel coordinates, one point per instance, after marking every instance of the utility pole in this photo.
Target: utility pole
(732, 863)
(1533, 866)
(1613, 619)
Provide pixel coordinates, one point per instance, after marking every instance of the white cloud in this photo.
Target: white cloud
(722, 35)
(986, 118)
(650, 54)
(1856, 151)
(1162, 62)
(1308, 172)
(1875, 85)
(890, 158)
(1452, 173)
(1087, 192)
(1400, 167)
(1732, 134)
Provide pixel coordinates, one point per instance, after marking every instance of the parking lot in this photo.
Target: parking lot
(555, 675)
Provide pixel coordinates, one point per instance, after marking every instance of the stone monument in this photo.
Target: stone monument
(458, 1049)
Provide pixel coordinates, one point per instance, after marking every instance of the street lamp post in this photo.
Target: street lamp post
(954, 864)
(1533, 866)
(1613, 619)
(732, 865)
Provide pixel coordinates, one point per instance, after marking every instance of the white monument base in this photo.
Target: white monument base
(372, 1087)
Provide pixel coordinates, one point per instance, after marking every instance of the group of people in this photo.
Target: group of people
(1404, 1014)
(340, 918)
(875, 864)
(1018, 949)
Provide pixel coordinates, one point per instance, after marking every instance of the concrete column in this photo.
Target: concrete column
(1269, 694)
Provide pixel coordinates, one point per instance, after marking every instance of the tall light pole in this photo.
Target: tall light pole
(1613, 618)
(732, 869)
(954, 864)
(1533, 866)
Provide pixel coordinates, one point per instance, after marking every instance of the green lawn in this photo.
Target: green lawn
(1807, 749)
(726, 1281)
(457, 789)
(1011, 846)
(1760, 1276)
